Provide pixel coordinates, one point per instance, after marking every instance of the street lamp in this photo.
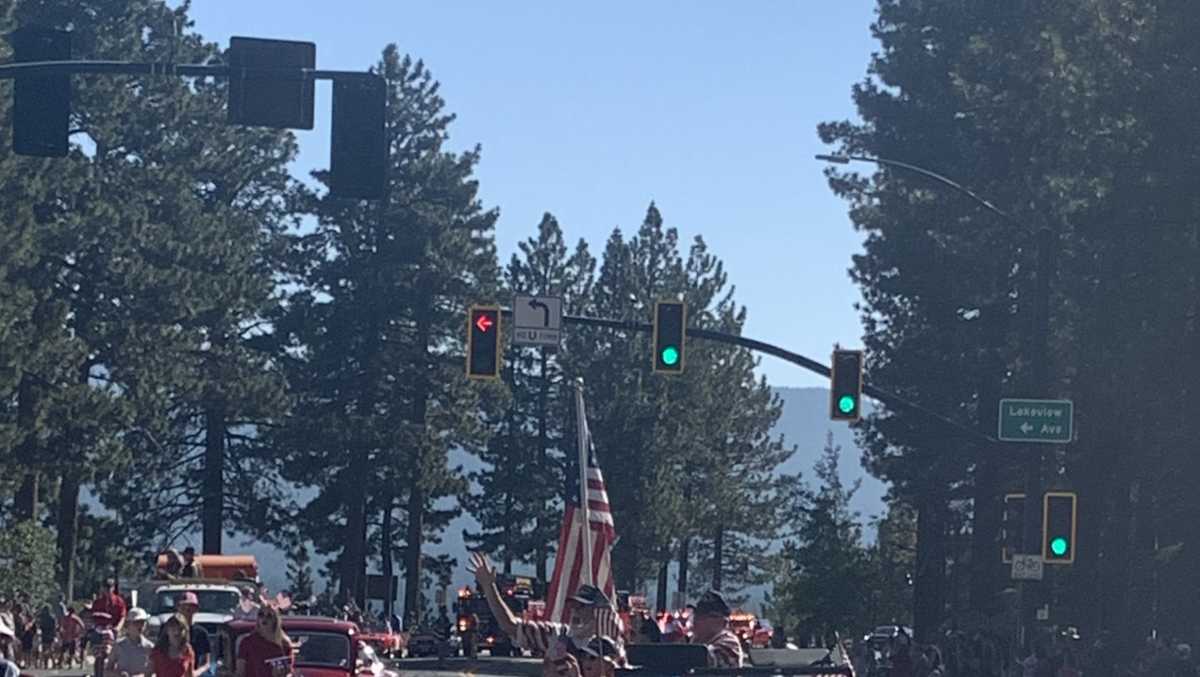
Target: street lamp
(1038, 343)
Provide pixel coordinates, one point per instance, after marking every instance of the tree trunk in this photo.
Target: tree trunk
(416, 496)
(354, 561)
(68, 530)
(68, 506)
(385, 550)
(929, 585)
(25, 505)
(542, 556)
(412, 555)
(683, 566)
(663, 602)
(718, 557)
(213, 506)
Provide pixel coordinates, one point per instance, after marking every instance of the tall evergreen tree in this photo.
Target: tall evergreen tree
(375, 339)
(520, 504)
(823, 587)
(122, 273)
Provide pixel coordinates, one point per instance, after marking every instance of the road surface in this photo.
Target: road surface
(407, 667)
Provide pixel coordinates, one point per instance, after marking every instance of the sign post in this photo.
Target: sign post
(1038, 421)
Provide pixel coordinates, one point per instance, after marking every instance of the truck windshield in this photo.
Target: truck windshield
(211, 601)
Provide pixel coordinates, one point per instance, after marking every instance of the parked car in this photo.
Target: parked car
(425, 641)
(385, 642)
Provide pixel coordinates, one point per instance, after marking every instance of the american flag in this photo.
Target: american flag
(569, 573)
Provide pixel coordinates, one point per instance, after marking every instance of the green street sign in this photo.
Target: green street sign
(1048, 421)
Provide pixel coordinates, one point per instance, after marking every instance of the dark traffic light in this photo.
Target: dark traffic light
(358, 152)
(1011, 525)
(845, 379)
(280, 99)
(670, 324)
(483, 342)
(41, 103)
(1058, 527)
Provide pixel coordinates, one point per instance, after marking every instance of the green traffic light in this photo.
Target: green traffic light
(670, 356)
(1058, 546)
(846, 404)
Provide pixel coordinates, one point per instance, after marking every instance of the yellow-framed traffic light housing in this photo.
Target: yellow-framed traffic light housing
(1059, 522)
(483, 342)
(1011, 524)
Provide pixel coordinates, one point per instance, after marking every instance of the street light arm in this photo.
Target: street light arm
(928, 173)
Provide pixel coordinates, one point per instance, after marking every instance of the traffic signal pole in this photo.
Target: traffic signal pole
(1031, 592)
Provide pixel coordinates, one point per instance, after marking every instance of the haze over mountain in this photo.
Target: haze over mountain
(804, 423)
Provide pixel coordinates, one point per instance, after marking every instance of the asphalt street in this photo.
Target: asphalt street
(408, 667)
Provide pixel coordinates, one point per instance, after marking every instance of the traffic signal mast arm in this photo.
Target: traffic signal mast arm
(12, 70)
(879, 394)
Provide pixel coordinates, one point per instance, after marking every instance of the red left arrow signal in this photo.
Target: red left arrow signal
(484, 322)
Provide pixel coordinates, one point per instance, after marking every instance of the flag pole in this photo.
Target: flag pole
(584, 443)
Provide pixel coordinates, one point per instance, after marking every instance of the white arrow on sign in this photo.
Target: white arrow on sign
(1025, 427)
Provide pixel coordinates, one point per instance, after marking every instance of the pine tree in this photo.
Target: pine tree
(229, 183)
(823, 584)
(374, 337)
(520, 505)
(119, 274)
(300, 576)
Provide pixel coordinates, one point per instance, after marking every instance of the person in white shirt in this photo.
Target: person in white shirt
(8, 668)
(130, 655)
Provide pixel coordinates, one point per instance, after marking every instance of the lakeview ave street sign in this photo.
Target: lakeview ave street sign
(1048, 421)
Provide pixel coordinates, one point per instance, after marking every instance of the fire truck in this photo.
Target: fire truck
(752, 633)
(521, 594)
(629, 607)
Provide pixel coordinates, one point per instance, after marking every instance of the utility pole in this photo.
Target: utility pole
(1031, 592)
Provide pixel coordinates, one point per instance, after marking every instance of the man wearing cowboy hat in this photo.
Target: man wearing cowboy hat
(131, 654)
(7, 637)
(711, 627)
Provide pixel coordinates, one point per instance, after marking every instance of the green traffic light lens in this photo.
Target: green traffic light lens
(670, 356)
(846, 404)
(1058, 546)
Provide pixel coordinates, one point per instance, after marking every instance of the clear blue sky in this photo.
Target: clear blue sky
(592, 110)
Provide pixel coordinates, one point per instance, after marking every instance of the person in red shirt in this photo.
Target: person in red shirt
(172, 655)
(268, 651)
(110, 602)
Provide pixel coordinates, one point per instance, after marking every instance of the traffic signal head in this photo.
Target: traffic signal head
(283, 99)
(358, 152)
(1011, 525)
(670, 324)
(483, 342)
(1058, 527)
(41, 103)
(845, 379)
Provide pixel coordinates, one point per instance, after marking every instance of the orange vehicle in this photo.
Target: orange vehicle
(519, 593)
(220, 567)
(752, 633)
(628, 607)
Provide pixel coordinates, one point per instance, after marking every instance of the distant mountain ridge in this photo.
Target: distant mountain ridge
(803, 423)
